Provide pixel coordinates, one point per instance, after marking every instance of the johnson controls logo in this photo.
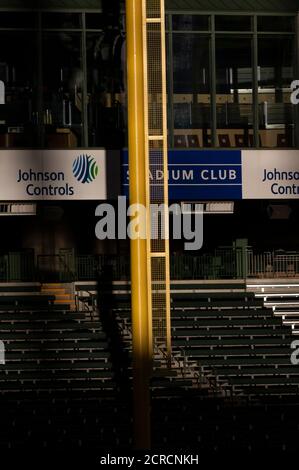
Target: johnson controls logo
(85, 169)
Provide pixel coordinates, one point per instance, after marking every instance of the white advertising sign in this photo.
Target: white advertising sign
(32, 175)
(270, 174)
(87, 174)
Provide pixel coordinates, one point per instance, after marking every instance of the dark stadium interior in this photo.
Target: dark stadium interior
(66, 357)
(67, 225)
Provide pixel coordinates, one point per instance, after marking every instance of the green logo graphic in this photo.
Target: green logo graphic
(85, 169)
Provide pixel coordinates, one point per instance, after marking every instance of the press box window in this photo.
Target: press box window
(94, 21)
(282, 24)
(190, 23)
(61, 21)
(233, 23)
(22, 20)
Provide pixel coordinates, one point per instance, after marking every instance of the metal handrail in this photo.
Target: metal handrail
(222, 263)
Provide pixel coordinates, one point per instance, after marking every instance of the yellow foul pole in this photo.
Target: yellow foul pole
(139, 277)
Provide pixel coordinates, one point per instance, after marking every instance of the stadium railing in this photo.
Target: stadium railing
(223, 263)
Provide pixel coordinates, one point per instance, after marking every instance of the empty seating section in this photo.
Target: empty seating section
(215, 426)
(231, 373)
(242, 351)
(244, 343)
(234, 125)
(58, 378)
(229, 333)
(232, 137)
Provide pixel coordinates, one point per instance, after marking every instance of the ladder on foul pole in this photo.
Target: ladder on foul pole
(156, 150)
(147, 130)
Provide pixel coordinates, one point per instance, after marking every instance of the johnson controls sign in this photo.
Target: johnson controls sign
(52, 174)
(270, 174)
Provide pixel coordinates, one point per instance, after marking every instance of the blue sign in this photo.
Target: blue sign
(197, 174)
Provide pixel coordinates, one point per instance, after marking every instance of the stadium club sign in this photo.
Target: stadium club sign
(52, 175)
(227, 174)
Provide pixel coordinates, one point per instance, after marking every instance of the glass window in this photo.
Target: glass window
(276, 73)
(276, 23)
(233, 23)
(94, 21)
(18, 101)
(191, 90)
(61, 20)
(106, 70)
(62, 85)
(18, 19)
(190, 23)
(234, 98)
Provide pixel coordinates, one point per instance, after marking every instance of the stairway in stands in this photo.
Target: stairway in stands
(282, 296)
(61, 292)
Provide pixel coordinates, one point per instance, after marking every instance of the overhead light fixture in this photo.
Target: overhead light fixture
(271, 285)
(219, 208)
(212, 208)
(278, 294)
(13, 209)
(279, 211)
